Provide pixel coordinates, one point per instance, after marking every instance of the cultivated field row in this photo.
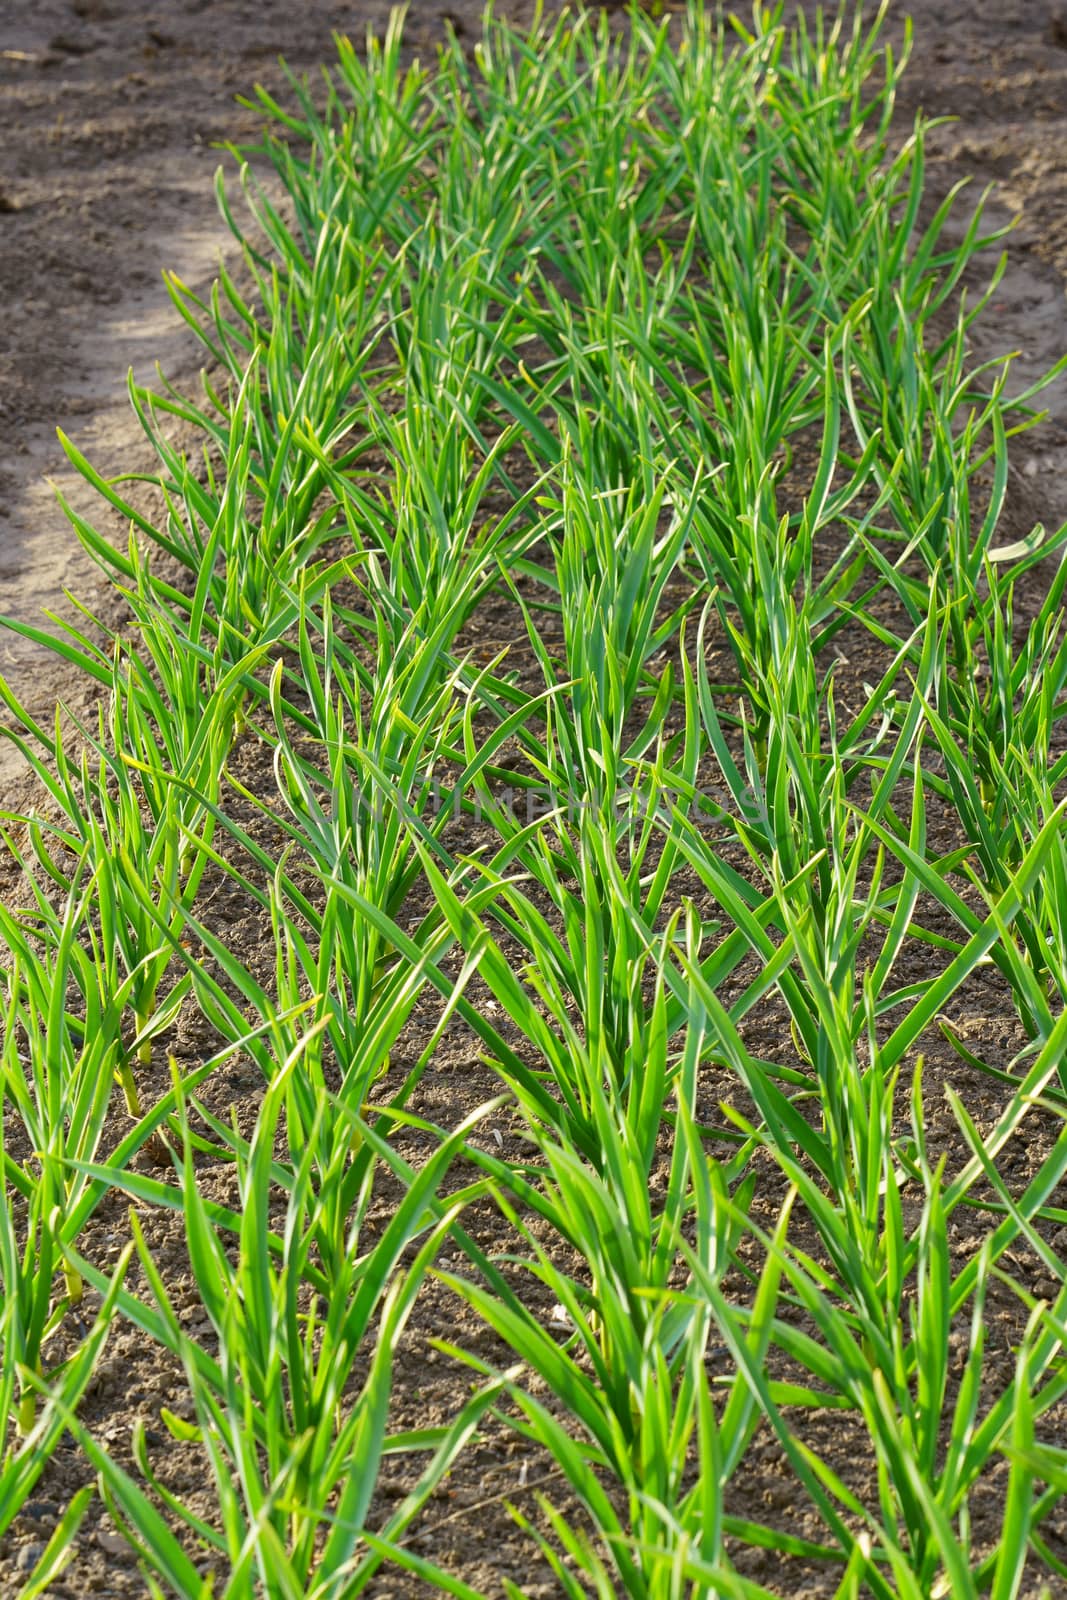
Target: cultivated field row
(580, 617)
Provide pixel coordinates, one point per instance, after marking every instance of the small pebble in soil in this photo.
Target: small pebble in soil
(73, 44)
(40, 1511)
(28, 1556)
(112, 1544)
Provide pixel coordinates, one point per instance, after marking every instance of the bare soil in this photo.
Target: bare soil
(110, 111)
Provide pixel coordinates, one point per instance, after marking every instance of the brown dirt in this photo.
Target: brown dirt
(110, 110)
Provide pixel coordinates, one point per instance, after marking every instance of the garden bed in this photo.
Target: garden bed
(422, 360)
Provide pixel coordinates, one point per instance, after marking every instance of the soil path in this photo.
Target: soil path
(111, 111)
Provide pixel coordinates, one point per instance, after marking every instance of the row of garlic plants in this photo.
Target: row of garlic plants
(638, 334)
